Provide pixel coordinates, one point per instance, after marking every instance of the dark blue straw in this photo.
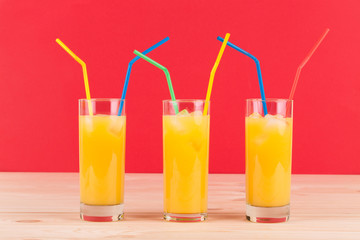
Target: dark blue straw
(262, 92)
(129, 71)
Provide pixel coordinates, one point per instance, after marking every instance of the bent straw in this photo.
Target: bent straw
(262, 92)
(308, 56)
(129, 72)
(212, 74)
(302, 64)
(167, 74)
(83, 65)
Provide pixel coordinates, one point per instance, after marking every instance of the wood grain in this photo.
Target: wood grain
(46, 206)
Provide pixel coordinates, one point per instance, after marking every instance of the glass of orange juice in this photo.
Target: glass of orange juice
(102, 160)
(186, 160)
(268, 147)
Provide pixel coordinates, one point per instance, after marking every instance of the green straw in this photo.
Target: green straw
(167, 74)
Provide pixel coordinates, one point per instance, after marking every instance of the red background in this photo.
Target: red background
(40, 83)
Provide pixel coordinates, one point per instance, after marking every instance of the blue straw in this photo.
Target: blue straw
(257, 69)
(129, 72)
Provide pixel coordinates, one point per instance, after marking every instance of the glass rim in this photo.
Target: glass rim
(186, 100)
(268, 100)
(101, 99)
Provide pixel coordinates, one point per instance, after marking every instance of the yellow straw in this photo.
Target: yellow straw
(212, 74)
(83, 65)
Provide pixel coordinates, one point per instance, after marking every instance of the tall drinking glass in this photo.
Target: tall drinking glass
(102, 160)
(268, 147)
(186, 160)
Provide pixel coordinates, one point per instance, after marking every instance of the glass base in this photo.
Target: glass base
(267, 214)
(179, 217)
(98, 213)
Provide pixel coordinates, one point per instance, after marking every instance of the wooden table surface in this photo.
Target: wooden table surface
(46, 206)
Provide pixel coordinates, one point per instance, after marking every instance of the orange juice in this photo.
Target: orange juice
(102, 154)
(186, 153)
(268, 160)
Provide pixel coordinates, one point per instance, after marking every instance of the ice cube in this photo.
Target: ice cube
(183, 112)
(198, 117)
(196, 113)
(176, 124)
(179, 121)
(255, 115)
(277, 116)
(116, 125)
(274, 123)
(88, 124)
(269, 116)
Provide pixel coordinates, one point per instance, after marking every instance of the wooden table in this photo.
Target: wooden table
(46, 206)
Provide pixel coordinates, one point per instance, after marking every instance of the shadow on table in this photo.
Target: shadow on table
(157, 216)
(148, 216)
(212, 217)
